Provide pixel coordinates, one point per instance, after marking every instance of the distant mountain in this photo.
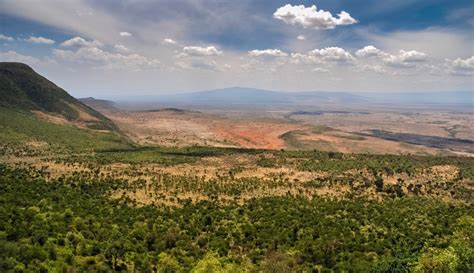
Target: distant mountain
(237, 96)
(241, 96)
(21, 88)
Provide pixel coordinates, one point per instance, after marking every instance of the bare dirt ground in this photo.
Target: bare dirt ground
(348, 132)
(171, 127)
(449, 131)
(440, 124)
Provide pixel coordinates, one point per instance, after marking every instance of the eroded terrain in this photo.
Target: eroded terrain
(354, 131)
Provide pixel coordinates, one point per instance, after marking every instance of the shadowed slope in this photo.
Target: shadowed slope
(21, 88)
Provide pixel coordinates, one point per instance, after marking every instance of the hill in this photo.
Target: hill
(242, 97)
(37, 117)
(21, 88)
(99, 104)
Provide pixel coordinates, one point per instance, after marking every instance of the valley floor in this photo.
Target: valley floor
(74, 199)
(394, 131)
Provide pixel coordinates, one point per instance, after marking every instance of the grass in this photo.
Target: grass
(20, 128)
(293, 141)
(166, 156)
(21, 88)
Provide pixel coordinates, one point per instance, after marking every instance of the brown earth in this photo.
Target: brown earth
(279, 130)
(184, 128)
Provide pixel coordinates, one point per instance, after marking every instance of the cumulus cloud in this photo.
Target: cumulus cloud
(13, 56)
(125, 34)
(107, 60)
(201, 64)
(267, 52)
(79, 41)
(201, 51)
(6, 38)
(333, 54)
(40, 40)
(300, 37)
(299, 58)
(463, 66)
(406, 58)
(373, 68)
(369, 51)
(324, 56)
(121, 48)
(311, 17)
(169, 41)
(412, 56)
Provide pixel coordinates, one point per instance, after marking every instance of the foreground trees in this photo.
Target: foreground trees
(65, 224)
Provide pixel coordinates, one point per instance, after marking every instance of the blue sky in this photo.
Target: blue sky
(109, 48)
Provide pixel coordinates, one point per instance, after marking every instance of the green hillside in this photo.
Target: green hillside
(21, 88)
(22, 133)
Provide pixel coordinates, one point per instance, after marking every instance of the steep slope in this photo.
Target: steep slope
(39, 118)
(25, 134)
(21, 88)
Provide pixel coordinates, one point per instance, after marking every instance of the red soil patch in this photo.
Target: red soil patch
(251, 134)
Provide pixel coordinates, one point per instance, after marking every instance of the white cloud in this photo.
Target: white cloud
(300, 37)
(299, 58)
(320, 70)
(412, 56)
(463, 66)
(125, 34)
(83, 54)
(12, 56)
(6, 38)
(169, 41)
(406, 58)
(121, 48)
(373, 68)
(333, 54)
(310, 17)
(40, 40)
(201, 64)
(107, 60)
(327, 55)
(369, 51)
(252, 64)
(79, 41)
(267, 52)
(201, 51)
(438, 42)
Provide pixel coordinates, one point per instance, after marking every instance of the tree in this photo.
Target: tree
(379, 183)
(279, 262)
(437, 260)
(168, 264)
(209, 264)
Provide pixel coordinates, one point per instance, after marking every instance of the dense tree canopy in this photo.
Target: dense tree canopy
(71, 224)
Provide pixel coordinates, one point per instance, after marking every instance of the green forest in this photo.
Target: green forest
(70, 223)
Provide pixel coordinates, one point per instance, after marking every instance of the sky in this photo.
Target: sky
(110, 48)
